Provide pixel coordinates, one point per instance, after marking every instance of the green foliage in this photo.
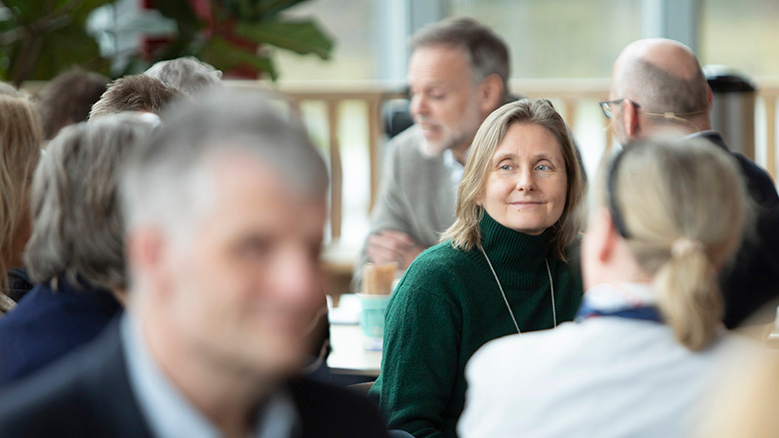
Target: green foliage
(41, 37)
(236, 31)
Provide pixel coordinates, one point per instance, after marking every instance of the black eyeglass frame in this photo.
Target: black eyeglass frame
(605, 106)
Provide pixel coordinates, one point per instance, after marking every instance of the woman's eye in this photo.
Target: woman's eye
(506, 167)
(543, 167)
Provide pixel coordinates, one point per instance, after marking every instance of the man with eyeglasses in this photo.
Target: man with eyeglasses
(658, 85)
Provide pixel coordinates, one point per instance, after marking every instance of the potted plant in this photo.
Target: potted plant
(232, 35)
(39, 39)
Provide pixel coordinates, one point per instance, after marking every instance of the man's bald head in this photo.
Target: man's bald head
(661, 76)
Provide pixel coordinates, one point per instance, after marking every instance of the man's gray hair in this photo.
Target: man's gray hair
(486, 51)
(187, 74)
(658, 91)
(77, 225)
(168, 181)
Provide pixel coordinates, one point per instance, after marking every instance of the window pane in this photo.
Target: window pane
(561, 38)
(350, 23)
(743, 35)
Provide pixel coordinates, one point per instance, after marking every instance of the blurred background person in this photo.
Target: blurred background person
(747, 406)
(501, 268)
(657, 84)
(140, 93)
(20, 149)
(76, 253)
(457, 76)
(67, 99)
(648, 343)
(187, 74)
(224, 211)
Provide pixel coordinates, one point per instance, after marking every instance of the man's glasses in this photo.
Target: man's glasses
(606, 106)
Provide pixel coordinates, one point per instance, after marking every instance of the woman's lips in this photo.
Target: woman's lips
(526, 204)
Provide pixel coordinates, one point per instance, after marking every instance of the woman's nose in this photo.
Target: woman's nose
(525, 181)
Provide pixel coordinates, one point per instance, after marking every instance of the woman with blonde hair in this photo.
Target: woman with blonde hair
(20, 145)
(501, 268)
(648, 342)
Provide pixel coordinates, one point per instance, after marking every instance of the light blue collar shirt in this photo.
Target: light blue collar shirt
(170, 415)
(455, 168)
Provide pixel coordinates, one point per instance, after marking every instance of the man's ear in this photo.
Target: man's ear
(630, 120)
(490, 93)
(144, 247)
(145, 253)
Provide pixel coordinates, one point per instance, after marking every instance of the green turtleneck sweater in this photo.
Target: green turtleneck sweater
(447, 305)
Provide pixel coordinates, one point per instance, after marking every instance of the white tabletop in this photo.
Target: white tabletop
(352, 353)
(349, 355)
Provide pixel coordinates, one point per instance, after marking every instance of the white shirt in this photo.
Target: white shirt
(455, 169)
(601, 377)
(170, 415)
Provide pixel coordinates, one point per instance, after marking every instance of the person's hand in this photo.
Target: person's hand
(392, 246)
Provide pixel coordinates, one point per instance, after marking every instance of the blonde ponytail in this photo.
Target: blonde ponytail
(681, 207)
(689, 297)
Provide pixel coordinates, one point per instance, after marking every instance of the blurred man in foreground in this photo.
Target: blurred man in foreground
(225, 211)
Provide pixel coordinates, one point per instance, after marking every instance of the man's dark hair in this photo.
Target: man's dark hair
(68, 98)
(135, 93)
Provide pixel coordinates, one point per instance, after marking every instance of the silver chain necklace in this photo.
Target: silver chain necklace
(551, 291)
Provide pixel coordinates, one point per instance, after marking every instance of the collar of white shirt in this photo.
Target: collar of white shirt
(455, 168)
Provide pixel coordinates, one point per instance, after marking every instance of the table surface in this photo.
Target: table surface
(349, 355)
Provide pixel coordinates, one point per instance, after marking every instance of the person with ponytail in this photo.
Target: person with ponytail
(647, 342)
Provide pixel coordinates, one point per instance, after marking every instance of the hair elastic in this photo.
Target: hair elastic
(685, 245)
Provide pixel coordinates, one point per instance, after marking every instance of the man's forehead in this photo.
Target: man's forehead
(438, 64)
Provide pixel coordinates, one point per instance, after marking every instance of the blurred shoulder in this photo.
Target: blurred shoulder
(333, 411)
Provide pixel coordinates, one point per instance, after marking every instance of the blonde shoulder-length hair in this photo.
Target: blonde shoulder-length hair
(20, 138)
(465, 233)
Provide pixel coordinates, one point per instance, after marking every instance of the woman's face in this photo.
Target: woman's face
(526, 180)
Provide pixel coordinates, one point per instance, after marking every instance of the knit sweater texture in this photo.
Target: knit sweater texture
(447, 305)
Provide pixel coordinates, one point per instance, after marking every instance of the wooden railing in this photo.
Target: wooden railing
(566, 93)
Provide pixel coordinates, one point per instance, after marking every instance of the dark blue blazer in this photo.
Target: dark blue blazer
(47, 324)
(88, 394)
(750, 283)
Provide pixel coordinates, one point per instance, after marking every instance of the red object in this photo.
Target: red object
(225, 29)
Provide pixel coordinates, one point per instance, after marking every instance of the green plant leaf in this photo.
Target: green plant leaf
(85, 8)
(226, 56)
(181, 11)
(267, 9)
(25, 11)
(54, 52)
(300, 36)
